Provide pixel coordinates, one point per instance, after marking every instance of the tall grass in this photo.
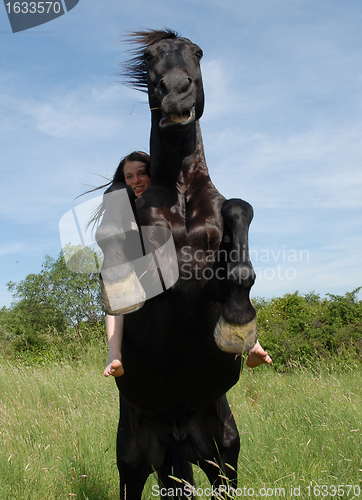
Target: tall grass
(58, 430)
(302, 428)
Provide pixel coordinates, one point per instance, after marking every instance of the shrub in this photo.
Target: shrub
(300, 329)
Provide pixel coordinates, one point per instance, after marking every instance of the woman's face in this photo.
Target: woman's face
(136, 176)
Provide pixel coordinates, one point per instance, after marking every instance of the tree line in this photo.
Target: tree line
(53, 307)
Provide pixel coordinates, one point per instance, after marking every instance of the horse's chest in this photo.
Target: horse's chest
(197, 233)
(196, 225)
(196, 222)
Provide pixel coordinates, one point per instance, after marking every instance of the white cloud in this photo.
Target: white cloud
(58, 139)
(87, 112)
(11, 248)
(320, 167)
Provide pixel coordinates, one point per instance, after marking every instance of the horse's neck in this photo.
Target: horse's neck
(190, 202)
(178, 159)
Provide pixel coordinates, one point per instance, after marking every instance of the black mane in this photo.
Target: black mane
(134, 70)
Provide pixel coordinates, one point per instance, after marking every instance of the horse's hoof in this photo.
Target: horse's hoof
(235, 338)
(122, 297)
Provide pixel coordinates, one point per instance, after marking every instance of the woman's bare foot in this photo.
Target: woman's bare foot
(114, 368)
(258, 356)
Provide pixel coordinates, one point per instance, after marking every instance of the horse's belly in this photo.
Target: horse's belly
(170, 358)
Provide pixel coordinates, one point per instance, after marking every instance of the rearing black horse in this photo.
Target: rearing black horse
(173, 405)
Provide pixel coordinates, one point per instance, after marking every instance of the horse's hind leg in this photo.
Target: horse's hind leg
(236, 330)
(133, 472)
(133, 464)
(177, 465)
(221, 457)
(132, 483)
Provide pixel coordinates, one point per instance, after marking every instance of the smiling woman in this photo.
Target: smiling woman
(137, 167)
(134, 170)
(136, 176)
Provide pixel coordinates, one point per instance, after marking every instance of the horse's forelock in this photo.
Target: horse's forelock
(134, 70)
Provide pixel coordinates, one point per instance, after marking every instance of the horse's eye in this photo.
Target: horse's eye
(147, 57)
(199, 54)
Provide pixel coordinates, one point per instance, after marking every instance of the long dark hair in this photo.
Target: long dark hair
(119, 177)
(135, 156)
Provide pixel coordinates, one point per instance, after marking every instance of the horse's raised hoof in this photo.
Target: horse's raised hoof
(235, 338)
(122, 297)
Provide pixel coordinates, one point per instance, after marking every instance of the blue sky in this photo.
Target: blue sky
(282, 127)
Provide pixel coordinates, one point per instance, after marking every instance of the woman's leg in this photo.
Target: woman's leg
(114, 327)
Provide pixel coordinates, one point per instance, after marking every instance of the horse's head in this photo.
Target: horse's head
(174, 81)
(170, 68)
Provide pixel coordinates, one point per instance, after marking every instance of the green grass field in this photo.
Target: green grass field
(58, 431)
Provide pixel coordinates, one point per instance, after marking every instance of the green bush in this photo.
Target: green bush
(303, 329)
(56, 313)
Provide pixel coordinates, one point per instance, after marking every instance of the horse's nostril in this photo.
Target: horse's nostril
(187, 84)
(163, 86)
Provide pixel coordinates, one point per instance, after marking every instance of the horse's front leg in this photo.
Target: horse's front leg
(119, 239)
(236, 330)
